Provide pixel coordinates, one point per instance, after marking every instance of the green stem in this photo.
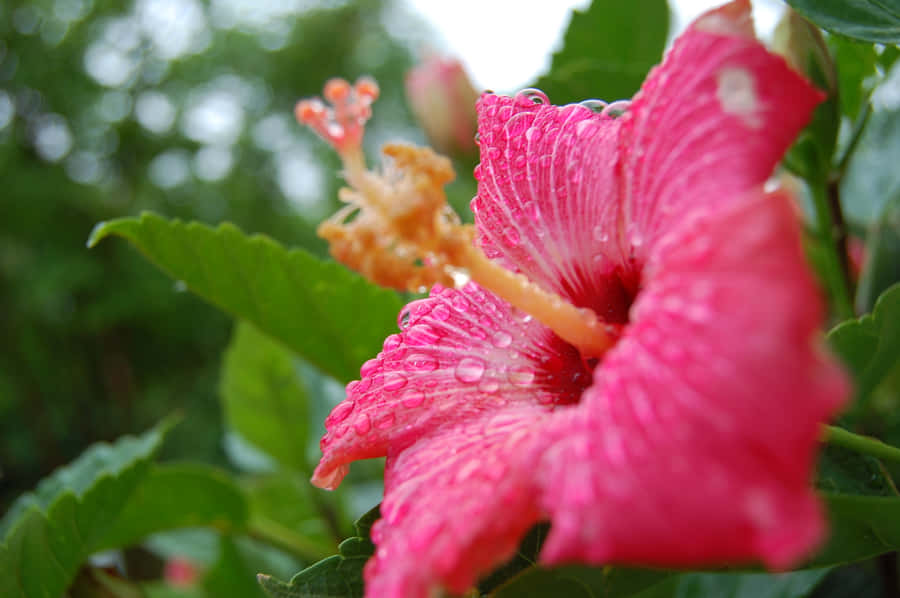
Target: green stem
(837, 277)
(855, 136)
(861, 444)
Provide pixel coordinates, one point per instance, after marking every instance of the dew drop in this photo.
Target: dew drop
(368, 368)
(469, 370)
(530, 96)
(617, 108)
(521, 376)
(533, 134)
(362, 425)
(502, 339)
(413, 399)
(420, 362)
(460, 303)
(341, 412)
(489, 386)
(441, 312)
(478, 333)
(403, 319)
(392, 342)
(394, 381)
(494, 153)
(421, 334)
(600, 234)
(522, 316)
(594, 105)
(385, 421)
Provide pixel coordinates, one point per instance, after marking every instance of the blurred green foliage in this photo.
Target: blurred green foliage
(183, 107)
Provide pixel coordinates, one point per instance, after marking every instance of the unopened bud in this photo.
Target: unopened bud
(443, 99)
(805, 49)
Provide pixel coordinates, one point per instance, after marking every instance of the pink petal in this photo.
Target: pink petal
(696, 443)
(456, 504)
(709, 123)
(460, 354)
(547, 202)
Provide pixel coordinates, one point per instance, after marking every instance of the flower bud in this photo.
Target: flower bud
(804, 47)
(443, 99)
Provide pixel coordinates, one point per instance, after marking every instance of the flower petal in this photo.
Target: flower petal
(460, 354)
(450, 515)
(697, 441)
(547, 196)
(709, 123)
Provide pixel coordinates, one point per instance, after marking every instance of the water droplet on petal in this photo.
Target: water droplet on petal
(341, 412)
(421, 334)
(392, 342)
(617, 108)
(363, 386)
(530, 96)
(413, 399)
(522, 316)
(441, 311)
(521, 376)
(403, 319)
(362, 425)
(460, 302)
(489, 386)
(478, 333)
(469, 370)
(533, 134)
(421, 362)
(368, 368)
(394, 381)
(502, 339)
(594, 105)
(601, 235)
(385, 421)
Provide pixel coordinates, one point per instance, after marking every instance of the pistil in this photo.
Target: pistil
(398, 231)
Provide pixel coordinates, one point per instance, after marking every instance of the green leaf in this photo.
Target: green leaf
(870, 345)
(338, 576)
(580, 581)
(851, 581)
(842, 471)
(607, 51)
(859, 527)
(177, 496)
(330, 316)
(796, 584)
(525, 558)
(48, 534)
(872, 178)
(264, 398)
(882, 266)
(870, 20)
(855, 64)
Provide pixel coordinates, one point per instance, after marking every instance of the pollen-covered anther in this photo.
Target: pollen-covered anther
(396, 225)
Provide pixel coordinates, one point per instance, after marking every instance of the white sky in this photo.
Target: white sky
(506, 43)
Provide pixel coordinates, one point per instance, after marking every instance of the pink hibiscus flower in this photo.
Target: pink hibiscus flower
(657, 391)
